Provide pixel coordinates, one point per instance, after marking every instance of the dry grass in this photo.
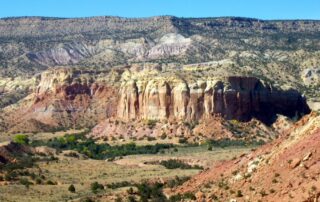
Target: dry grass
(82, 173)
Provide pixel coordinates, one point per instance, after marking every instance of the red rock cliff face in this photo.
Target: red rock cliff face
(69, 98)
(240, 98)
(64, 98)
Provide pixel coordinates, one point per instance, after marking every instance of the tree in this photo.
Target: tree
(21, 139)
(72, 189)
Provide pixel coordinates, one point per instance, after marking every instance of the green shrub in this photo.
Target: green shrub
(234, 143)
(182, 140)
(22, 162)
(38, 181)
(182, 197)
(163, 136)
(71, 188)
(21, 139)
(239, 193)
(191, 125)
(149, 138)
(119, 185)
(132, 199)
(95, 187)
(174, 164)
(151, 123)
(177, 181)
(25, 182)
(49, 182)
(152, 192)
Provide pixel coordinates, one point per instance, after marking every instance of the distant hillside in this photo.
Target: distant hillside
(283, 52)
(29, 44)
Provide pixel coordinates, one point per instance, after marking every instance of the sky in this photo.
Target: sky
(262, 9)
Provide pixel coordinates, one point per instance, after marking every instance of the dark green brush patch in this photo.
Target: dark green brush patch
(175, 164)
(234, 143)
(88, 146)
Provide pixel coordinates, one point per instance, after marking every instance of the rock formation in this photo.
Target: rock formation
(68, 97)
(240, 98)
(64, 98)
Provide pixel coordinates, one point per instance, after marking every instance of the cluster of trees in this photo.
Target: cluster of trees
(89, 147)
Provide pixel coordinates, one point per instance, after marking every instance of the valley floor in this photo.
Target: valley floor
(82, 172)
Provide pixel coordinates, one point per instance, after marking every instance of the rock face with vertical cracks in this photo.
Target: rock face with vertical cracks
(240, 98)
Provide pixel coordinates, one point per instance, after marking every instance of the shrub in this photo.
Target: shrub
(10, 176)
(25, 182)
(163, 136)
(87, 200)
(263, 193)
(95, 187)
(38, 181)
(118, 199)
(191, 125)
(174, 164)
(119, 185)
(21, 139)
(182, 140)
(177, 181)
(130, 191)
(239, 193)
(151, 123)
(22, 162)
(149, 138)
(72, 189)
(49, 182)
(234, 143)
(132, 199)
(153, 192)
(182, 197)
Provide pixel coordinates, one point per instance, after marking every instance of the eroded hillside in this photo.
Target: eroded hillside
(285, 170)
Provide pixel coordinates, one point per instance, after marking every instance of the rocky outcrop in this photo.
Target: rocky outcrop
(241, 98)
(63, 98)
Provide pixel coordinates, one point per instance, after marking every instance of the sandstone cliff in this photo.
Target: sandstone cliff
(64, 98)
(240, 98)
(69, 97)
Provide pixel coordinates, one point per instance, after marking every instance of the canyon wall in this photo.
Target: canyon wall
(240, 98)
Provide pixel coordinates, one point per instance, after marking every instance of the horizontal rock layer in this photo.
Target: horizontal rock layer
(241, 98)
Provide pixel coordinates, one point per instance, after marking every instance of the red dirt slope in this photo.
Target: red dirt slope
(286, 170)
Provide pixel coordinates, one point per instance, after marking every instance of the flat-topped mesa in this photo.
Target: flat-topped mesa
(240, 98)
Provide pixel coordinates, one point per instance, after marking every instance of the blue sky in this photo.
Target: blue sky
(263, 9)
